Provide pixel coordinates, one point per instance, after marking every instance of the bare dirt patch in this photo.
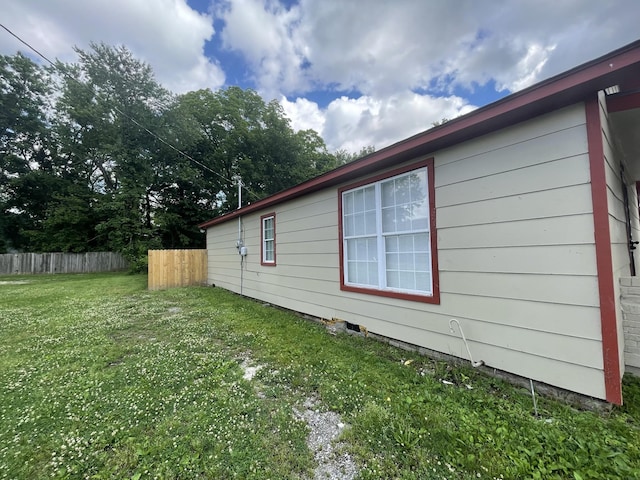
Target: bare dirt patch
(324, 430)
(249, 370)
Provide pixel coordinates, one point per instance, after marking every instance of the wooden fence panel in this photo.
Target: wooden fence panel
(57, 262)
(176, 268)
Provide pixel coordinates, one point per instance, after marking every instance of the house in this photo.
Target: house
(518, 220)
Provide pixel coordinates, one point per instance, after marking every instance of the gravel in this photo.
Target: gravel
(324, 429)
(249, 370)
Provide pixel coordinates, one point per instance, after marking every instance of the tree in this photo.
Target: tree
(343, 156)
(442, 121)
(314, 153)
(24, 147)
(234, 132)
(81, 169)
(110, 99)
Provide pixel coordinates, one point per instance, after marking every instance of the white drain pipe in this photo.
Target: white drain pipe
(464, 339)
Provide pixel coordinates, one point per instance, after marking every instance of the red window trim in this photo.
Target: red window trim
(262, 218)
(434, 298)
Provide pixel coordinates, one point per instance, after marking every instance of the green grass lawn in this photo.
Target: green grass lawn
(100, 378)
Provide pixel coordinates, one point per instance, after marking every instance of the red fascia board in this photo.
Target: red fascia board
(621, 102)
(604, 261)
(565, 89)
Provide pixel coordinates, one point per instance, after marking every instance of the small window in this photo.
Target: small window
(388, 242)
(268, 234)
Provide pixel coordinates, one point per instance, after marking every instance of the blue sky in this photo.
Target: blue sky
(360, 72)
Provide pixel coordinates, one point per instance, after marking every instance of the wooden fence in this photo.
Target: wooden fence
(57, 262)
(177, 268)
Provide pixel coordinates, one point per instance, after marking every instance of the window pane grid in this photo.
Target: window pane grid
(386, 234)
(404, 203)
(268, 250)
(268, 240)
(408, 265)
(359, 215)
(362, 261)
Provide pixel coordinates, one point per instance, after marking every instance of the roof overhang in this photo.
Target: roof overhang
(624, 112)
(620, 67)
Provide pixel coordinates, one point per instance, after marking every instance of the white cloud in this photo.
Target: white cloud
(379, 52)
(167, 34)
(304, 114)
(382, 51)
(385, 46)
(381, 47)
(512, 68)
(263, 31)
(355, 123)
(529, 67)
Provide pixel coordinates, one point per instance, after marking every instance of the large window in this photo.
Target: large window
(388, 244)
(268, 234)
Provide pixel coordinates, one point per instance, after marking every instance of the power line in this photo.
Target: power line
(127, 116)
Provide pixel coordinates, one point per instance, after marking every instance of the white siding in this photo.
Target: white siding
(617, 216)
(515, 249)
(306, 256)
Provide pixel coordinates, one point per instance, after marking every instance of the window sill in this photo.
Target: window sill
(414, 297)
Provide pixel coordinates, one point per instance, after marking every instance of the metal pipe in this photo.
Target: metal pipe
(241, 273)
(239, 180)
(464, 339)
(533, 395)
(239, 243)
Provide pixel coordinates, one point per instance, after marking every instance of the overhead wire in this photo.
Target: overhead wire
(129, 117)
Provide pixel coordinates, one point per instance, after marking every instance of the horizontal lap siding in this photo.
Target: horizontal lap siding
(307, 260)
(506, 356)
(515, 230)
(530, 232)
(525, 259)
(306, 256)
(515, 249)
(576, 290)
(222, 256)
(560, 202)
(617, 217)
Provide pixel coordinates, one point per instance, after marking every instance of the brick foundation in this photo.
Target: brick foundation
(630, 301)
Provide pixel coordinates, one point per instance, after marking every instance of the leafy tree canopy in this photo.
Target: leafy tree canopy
(89, 155)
